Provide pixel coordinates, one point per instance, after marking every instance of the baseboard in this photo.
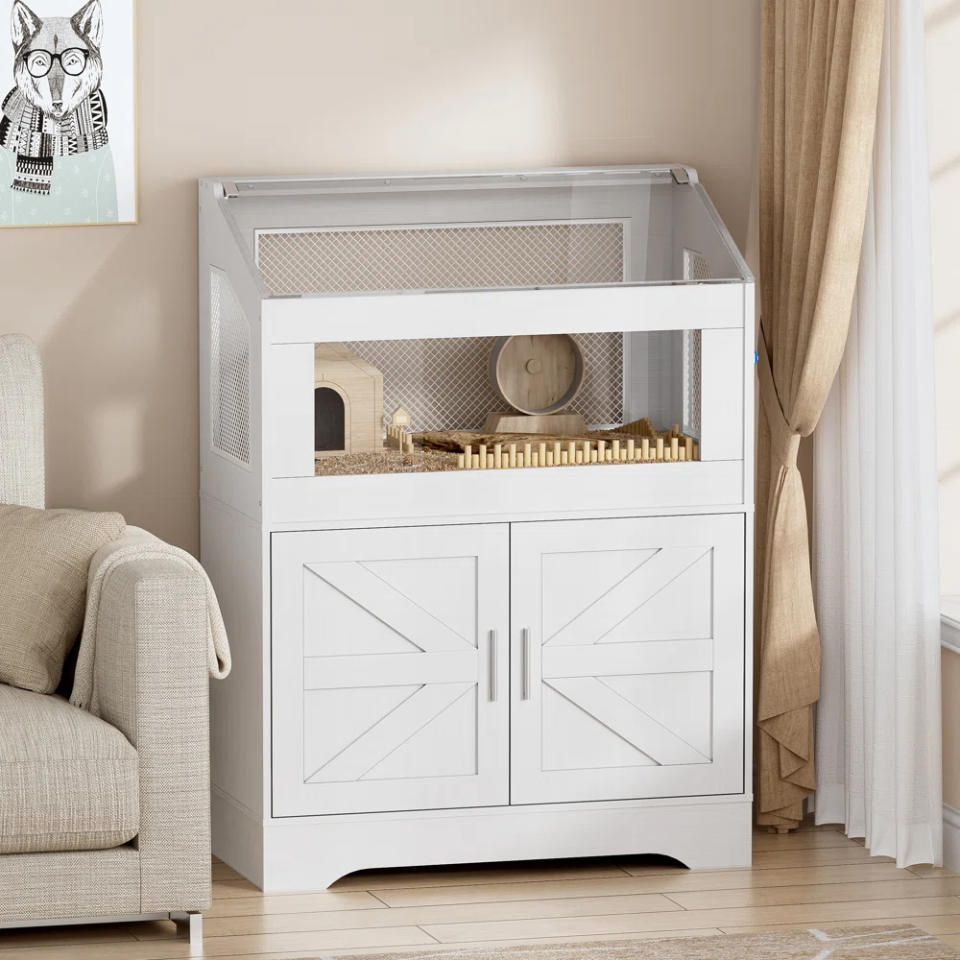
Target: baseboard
(951, 838)
(310, 853)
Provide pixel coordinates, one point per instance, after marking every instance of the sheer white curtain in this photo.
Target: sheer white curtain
(875, 503)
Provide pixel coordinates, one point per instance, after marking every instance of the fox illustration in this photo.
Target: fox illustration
(56, 165)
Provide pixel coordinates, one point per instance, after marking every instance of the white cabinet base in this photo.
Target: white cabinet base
(310, 853)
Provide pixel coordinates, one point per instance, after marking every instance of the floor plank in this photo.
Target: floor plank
(815, 876)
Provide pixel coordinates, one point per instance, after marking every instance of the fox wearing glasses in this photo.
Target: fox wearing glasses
(56, 165)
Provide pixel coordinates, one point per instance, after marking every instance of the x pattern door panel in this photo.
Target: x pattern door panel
(383, 649)
(634, 656)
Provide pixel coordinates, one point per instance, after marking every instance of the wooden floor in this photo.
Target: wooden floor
(815, 877)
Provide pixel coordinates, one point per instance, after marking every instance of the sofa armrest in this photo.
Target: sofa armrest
(151, 677)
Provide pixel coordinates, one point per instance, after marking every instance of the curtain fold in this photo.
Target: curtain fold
(875, 503)
(821, 64)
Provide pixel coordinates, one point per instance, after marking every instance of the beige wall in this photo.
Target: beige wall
(943, 84)
(311, 86)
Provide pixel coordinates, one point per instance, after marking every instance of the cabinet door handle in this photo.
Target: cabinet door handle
(525, 665)
(493, 666)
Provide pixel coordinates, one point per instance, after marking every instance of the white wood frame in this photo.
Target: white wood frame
(244, 510)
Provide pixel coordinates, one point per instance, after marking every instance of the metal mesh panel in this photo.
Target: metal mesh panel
(444, 384)
(229, 371)
(695, 267)
(441, 257)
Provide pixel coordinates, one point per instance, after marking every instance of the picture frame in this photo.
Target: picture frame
(68, 130)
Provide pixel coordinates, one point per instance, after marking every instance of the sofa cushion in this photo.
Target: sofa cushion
(44, 560)
(68, 780)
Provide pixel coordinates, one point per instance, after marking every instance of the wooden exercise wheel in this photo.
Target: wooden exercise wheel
(537, 375)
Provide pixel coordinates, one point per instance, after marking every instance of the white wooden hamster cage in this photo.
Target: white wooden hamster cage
(477, 502)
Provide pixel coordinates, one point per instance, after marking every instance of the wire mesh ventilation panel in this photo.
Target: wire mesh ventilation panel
(229, 372)
(441, 257)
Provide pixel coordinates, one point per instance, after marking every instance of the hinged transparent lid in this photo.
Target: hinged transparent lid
(580, 227)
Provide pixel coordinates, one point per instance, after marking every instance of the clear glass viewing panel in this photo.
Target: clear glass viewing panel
(414, 406)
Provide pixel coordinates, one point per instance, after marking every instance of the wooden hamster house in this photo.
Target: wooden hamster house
(348, 402)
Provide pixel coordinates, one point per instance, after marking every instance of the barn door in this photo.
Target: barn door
(628, 658)
(390, 672)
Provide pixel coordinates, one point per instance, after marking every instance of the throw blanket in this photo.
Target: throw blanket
(137, 544)
(36, 138)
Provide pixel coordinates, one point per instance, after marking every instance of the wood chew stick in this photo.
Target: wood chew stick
(549, 458)
(521, 460)
(572, 451)
(683, 454)
(659, 448)
(526, 455)
(461, 461)
(631, 450)
(674, 448)
(498, 455)
(542, 450)
(609, 456)
(616, 450)
(579, 458)
(688, 447)
(468, 453)
(587, 447)
(536, 459)
(564, 458)
(512, 454)
(489, 461)
(594, 456)
(483, 456)
(556, 453)
(601, 450)
(476, 461)
(645, 448)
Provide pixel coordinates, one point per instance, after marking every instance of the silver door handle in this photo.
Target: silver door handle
(525, 665)
(493, 666)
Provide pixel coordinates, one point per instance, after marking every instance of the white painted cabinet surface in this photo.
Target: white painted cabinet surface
(628, 642)
(403, 682)
(390, 669)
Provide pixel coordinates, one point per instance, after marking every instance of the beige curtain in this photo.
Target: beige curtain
(821, 65)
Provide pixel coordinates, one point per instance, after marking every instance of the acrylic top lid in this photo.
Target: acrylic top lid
(543, 228)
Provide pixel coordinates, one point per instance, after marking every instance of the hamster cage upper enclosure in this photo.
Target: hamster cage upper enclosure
(406, 376)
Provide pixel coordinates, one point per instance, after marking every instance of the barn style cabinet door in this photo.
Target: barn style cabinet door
(628, 652)
(390, 669)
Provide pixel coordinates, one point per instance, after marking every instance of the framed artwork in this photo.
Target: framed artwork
(68, 123)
